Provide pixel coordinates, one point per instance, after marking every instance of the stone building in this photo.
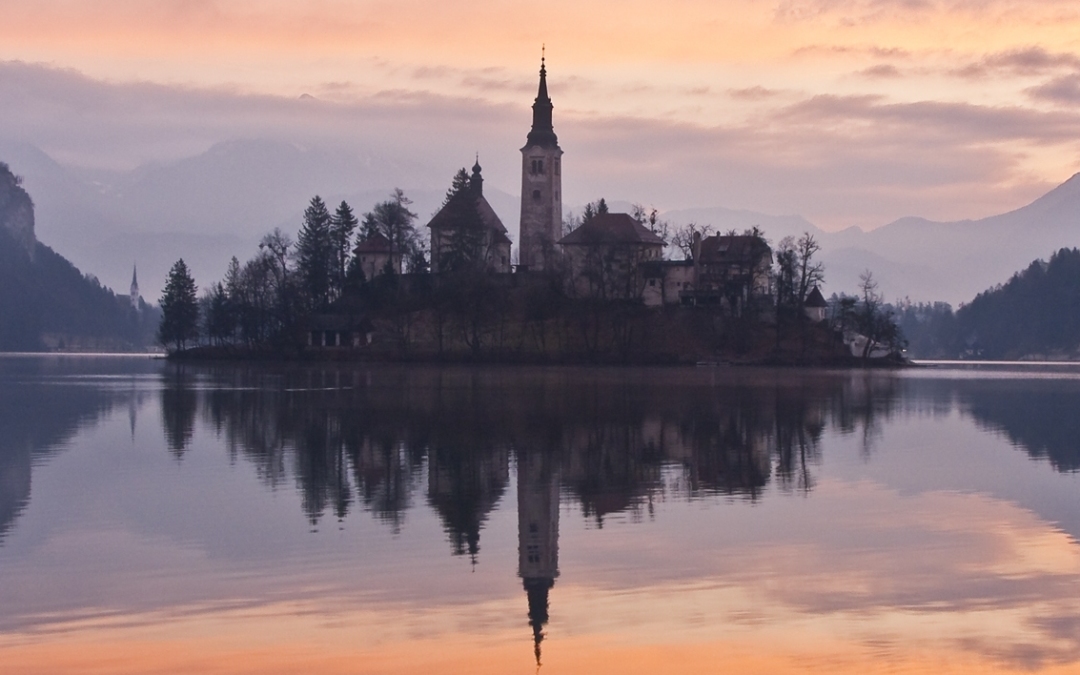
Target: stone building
(541, 186)
(607, 256)
(491, 237)
(374, 255)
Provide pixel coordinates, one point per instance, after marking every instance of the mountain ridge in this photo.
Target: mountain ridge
(217, 204)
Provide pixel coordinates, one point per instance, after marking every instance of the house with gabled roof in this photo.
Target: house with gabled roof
(606, 256)
(374, 256)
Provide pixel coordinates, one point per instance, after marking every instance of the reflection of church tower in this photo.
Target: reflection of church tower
(134, 289)
(541, 184)
(538, 535)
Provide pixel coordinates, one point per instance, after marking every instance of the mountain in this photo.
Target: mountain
(218, 204)
(212, 206)
(953, 261)
(45, 301)
(1035, 314)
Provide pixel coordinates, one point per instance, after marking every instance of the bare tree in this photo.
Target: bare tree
(811, 273)
(683, 238)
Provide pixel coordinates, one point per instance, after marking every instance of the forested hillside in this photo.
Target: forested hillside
(45, 302)
(1035, 314)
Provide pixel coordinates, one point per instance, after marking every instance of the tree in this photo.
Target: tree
(465, 245)
(810, 273)
(875, 321)
(393, 220)
(218, 315)
(315, 256)
(179, 308)
(650, 218)
(342, 225)
(684, 237)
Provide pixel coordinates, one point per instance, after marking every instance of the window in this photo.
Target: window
(556, 167)
(537, 166)
(536, 195)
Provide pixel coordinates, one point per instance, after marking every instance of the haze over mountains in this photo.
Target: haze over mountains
(218, 204)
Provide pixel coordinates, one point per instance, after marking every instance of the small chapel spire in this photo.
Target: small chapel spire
(134, 291)
(476, 181)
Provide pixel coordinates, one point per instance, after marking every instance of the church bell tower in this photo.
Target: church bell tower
(541, 185)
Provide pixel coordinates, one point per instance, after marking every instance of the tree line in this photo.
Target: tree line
(269, 301)
(1036, 313)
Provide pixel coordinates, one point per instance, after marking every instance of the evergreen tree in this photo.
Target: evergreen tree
(393, 219)
(179, 308)
(342, 225)
(315, 254)
(465, 246)
(219, 316)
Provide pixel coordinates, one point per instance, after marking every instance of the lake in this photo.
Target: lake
(390, 519)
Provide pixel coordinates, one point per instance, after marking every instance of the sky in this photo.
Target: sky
(848, 112)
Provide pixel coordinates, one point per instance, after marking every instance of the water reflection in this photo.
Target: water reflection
(39, 416)
(600, 457)
(616, 440)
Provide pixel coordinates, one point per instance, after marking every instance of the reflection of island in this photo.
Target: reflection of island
(378, 438)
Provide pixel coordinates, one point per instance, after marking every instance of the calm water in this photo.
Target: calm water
(423, 520)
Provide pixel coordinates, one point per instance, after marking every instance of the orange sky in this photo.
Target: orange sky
(698, 66)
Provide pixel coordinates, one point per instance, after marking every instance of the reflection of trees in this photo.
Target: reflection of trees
(37, 418)
(867, 400)
(360, 436)
(178, 405)
(1040, 417)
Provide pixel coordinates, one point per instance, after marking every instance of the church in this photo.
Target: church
(612, 256)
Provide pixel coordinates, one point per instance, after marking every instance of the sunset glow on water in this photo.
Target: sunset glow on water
(379, 520)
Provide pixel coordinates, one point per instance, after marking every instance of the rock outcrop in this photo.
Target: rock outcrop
(16, 211)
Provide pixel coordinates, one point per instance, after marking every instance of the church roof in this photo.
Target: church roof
(612, 229)
(815, 299)
(491, 220)
(376, 243)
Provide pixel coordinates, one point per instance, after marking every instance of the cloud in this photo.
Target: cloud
(1019, 62)
(1064, 90)
(839, 160)
(881, 71)
(752, 93)
(860, 12)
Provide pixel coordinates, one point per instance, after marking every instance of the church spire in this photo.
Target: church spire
(542, 133)
(476, 181)
(134, 291)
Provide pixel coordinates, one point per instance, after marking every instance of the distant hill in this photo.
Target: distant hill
(45, 301)
(210, 207)
(215, 205)
(1034, 315)
(955, 260)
